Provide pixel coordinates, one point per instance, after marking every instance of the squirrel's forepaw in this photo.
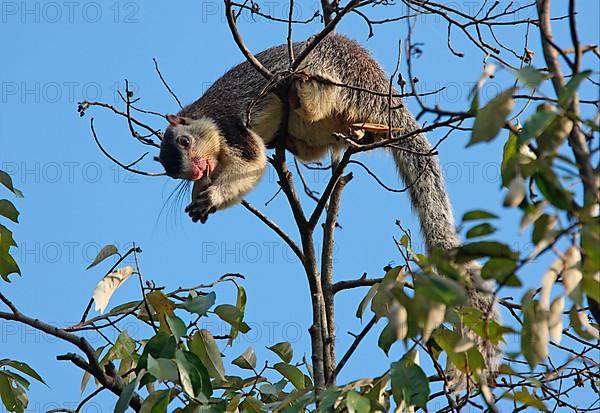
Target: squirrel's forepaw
(205, 204)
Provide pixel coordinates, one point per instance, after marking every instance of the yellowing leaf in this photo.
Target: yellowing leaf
(398, 320)
(555, 323)
(535, 333)
(124, 348)
(163, 307)
(572, 275)
(527, 399)
(204, 346)
(435, 318)
(247, 360)
(516, 193)
(108, 285)
(283, 350)
(548, 281)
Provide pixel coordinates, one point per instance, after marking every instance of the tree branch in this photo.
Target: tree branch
(92, 366)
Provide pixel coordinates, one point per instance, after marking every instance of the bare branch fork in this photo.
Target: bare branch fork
(107, 377)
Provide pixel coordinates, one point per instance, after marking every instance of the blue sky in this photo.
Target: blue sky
(76, 201)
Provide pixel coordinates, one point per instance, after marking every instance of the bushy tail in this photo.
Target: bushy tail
(421, 172)
(343, 60)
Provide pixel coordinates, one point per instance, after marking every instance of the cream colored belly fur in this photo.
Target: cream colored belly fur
(310, 129)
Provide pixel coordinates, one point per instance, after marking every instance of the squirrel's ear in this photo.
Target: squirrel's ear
(175, 120)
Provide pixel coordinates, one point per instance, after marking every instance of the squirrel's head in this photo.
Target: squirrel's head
(190, 147)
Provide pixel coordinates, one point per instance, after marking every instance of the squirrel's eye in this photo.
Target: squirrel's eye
(183, 141)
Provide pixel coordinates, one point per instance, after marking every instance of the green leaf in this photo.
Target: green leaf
(124, 348)
(567, 94)
(469, 361)
(552, 190)
(539, 228)
(163, 369)
(17, 378)
(176, 325)
(329, 399)
(475, 101)
(7, 395)
(200, 304)
(22, 367)
(8, 210)
(162, 345)
(528, 399)
(273, 389)
(394, 277)
(492, 117)
(510, 159)
(387, 338)
(364, 303)
(6, 180)
(535, 125)
(8, 266)
(192, 374)
(126, 395)
(204, 346)
(590, 241)
(441, 290)
(444, 266)
(241, 306)
(157, 402)
(187, 376)
(591, 286)
(580, 324)
(233, 316)
(481, 230)
(531, 77)
(247, 360)
(489, 329)
(478, 214)
(409, 383)
(283, 350)
(592, 125)
(6, 239)
(105, 252)
(481, 249)
(357, 403)
(501, 270)
(292, 373)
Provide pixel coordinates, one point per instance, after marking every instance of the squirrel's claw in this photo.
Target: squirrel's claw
(202, 206)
